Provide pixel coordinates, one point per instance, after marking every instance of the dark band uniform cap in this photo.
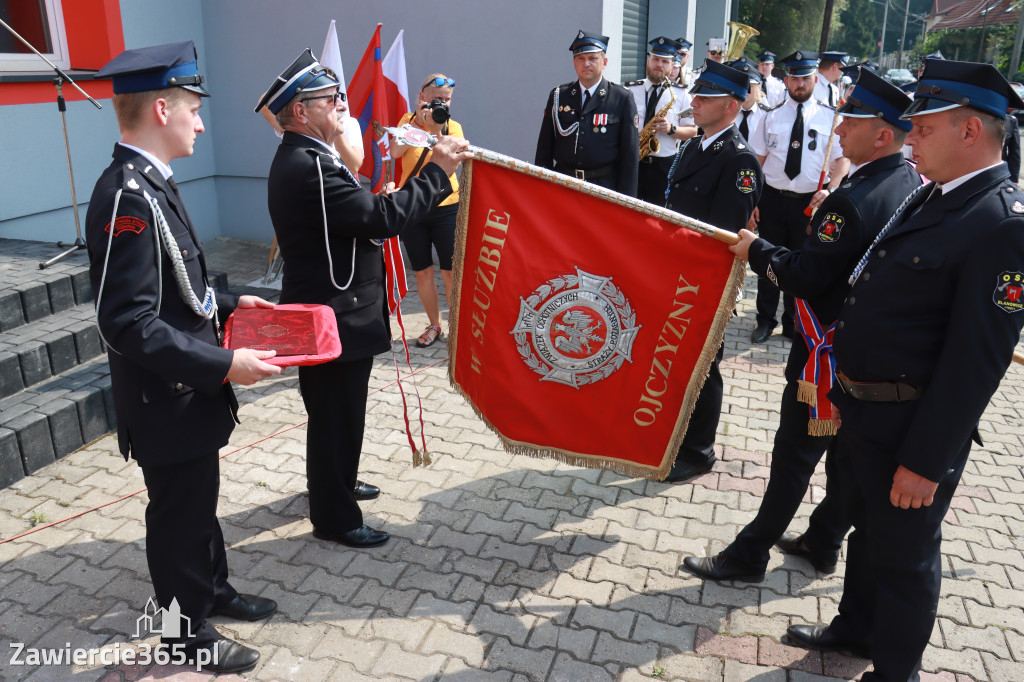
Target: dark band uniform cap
(766, 56)
(587, 42)
(947, 84)
(663, 47)
(684, 44)
(305, 74)
(801, 63)
(719, 80)
(835, 56)
(155, 68)
(875, 97)
(935, 55)
(746, 66)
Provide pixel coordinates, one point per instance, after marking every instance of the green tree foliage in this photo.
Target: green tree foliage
(963, 44)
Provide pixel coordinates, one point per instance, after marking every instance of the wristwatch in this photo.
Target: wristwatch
(672, 130)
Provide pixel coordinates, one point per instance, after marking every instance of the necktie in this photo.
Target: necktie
(174, 187)
(586, 98)
(744, 130)
(652, 103)
(796, 142)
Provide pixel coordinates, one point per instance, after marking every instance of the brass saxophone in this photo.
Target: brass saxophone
(649, 143)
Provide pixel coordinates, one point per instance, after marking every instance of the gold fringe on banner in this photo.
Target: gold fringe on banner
(806, 392)
(726, 305)
(821, 427)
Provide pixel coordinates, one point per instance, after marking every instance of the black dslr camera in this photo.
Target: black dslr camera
(438, 111)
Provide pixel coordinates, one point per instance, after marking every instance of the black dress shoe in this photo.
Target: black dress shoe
(223, 656)
(364, 536)
(365, 491)
(762, 332)
(822, 638)
(719, 568)
(684, 470)
(246, 607)
(794, 544)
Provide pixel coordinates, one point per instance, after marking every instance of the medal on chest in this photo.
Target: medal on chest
(600, 123)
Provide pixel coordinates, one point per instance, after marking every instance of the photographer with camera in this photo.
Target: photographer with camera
(437, 228)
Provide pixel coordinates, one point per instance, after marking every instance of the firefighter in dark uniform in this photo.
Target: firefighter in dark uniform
(590, 125)
(842, 229)
(716, 179)
(651, 96)
(923, 340)
(158, 316)
(331, 230)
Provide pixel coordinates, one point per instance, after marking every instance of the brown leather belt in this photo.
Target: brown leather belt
(877, 392)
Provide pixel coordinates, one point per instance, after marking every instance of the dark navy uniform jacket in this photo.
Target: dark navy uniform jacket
(166, 367)
(720, 185)
(590, 148)
(842, 229)
(939, 306)
(354, 216)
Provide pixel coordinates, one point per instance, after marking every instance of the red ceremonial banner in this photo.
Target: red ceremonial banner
(301, 333)
(584, 321)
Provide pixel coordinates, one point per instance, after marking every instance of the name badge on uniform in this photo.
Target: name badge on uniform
(600, 121)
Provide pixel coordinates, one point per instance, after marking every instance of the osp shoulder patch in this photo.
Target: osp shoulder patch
(746, 181)
(830, 228)
(1009, 291)
(127, 223)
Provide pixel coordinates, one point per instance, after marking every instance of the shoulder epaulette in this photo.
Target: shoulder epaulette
(825, 104)
(630, 84)
(763, 106)
(776, 106)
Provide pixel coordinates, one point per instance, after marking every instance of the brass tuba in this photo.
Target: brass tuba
(739, 35)
(649, 142)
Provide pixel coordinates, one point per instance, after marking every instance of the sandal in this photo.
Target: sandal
(428, 337)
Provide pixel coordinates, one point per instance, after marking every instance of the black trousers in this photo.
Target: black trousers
(794, 456)
(782, 223)
(893, 566)
(652, 179)
(335, 398)
(698, 444)
(184, 544)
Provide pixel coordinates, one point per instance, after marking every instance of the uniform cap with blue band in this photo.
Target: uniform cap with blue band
(766, 56)
(305, 74)
(801, 63)
(587, 42)
(155, 68)
(835, 56)
(875, 97)
(748, 67)
(949, 84)
(663, 47)
(719, 80)
(684, 44)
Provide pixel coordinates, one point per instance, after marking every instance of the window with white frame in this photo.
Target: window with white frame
(41, 23)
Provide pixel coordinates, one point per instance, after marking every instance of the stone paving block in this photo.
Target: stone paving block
(568, 669)
(742, 649)
(65, 431)
(11, 313)
(34, 441)
(443, 640)
(619, 623)
(60, 292)
(456, 614)
(685, 666)
(285, 665)
(360, 653)
(609, 649)
(35, 302)
(34, 362)
(488, 621)
(503, 655)
(396, 661)
(10, 374)
(81, 285)
(11, 467)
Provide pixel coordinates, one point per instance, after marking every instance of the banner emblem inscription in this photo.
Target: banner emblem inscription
(575, 329)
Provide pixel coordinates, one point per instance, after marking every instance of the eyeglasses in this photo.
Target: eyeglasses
(813, 144)
(716, 52)
(440, 82)
(336, 97)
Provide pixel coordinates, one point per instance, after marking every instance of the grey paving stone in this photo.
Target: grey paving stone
(10, 374)
(11, 312)
(65, 432)
(34, 361)
(60, 292)
(11, 467)
(34, 440)
(35, 302)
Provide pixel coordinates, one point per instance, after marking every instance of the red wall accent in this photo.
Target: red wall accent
(95, 36)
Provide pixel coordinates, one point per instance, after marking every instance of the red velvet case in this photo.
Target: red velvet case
(301, 333)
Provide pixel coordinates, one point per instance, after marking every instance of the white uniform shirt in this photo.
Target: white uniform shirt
(755, 116)
(772, 137)
(641, 91)
(774, 91)
(826, 92)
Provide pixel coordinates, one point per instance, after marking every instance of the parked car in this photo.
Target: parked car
(1018, 113)
(900, 77)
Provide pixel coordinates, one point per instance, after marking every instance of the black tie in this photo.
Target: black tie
(796, 141)
(586, 98)
(744, 130)
(652, 103)
(174, 187)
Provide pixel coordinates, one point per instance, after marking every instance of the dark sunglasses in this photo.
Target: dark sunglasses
(337, 97)
(440, 82)
(813, 144)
